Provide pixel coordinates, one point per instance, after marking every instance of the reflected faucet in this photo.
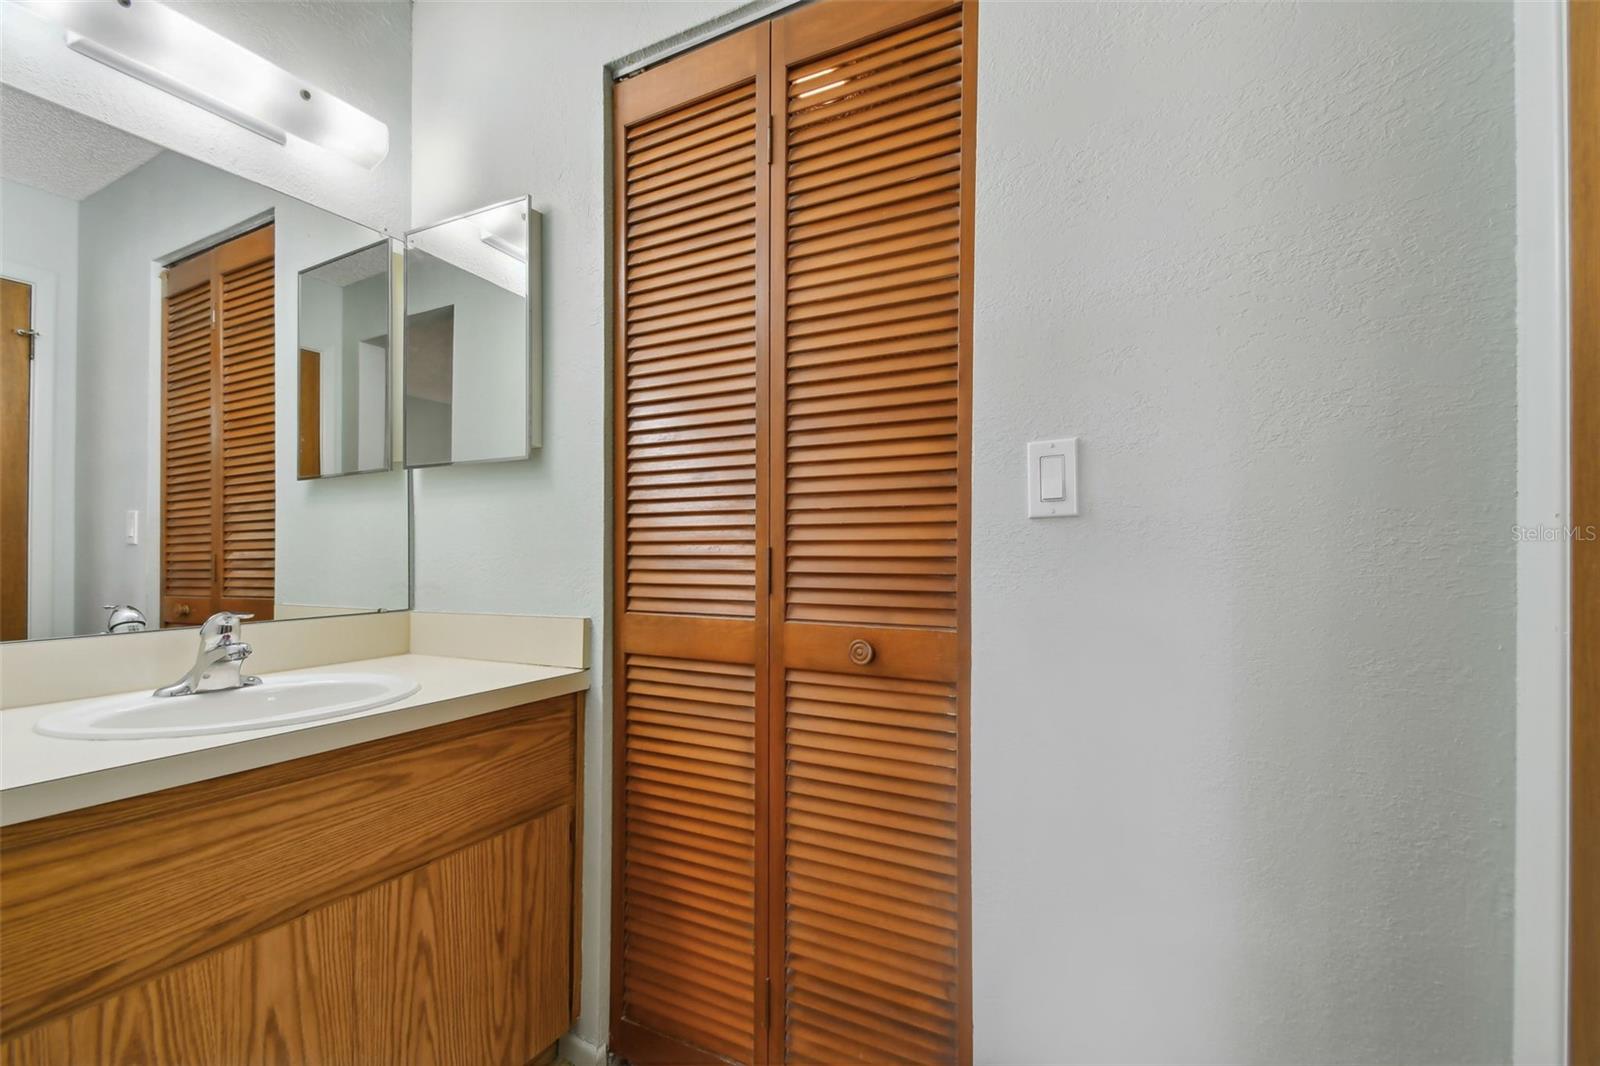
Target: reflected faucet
(125, 618)
(222, 655)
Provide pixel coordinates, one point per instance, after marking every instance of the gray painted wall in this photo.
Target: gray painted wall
(1242, 767)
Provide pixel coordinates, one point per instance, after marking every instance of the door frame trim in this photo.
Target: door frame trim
(52, 451)
(1543, 570)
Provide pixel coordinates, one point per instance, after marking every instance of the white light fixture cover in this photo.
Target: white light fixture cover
(157, 45)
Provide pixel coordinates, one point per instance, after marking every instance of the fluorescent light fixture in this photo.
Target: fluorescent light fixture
(147, 40)
(150, 75)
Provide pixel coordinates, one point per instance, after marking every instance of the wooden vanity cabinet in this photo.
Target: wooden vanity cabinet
(407, 900)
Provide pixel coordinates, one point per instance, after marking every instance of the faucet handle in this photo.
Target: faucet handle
(223, 626)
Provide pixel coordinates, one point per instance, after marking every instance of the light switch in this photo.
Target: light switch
(1053, 478)
(130, 531)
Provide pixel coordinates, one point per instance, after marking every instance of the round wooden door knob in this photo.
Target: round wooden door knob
(183, 610)
(861, 652)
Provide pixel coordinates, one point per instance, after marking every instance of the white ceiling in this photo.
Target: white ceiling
(60, 151)
(357, 266)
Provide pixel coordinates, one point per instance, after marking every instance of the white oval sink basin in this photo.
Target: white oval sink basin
(277, 701)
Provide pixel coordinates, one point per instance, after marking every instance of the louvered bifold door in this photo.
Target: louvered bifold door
(869, 364)
(190, 471)
(246, 318)
(691, 186)
(218, 472)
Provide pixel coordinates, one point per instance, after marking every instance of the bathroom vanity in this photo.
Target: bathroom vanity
(395, 886)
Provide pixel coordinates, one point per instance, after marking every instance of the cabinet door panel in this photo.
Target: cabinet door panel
(95, 901)
(445, 964)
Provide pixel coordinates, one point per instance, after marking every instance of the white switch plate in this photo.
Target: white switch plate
(130, 532)
(1053, 478)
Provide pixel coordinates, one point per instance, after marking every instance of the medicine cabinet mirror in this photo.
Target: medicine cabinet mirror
(473, 345)
(343, 362)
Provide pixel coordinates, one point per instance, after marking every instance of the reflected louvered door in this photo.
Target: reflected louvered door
(792, 420)
(247, 340)
(868, 501)
(689, 425)
(189, 468)
(218, 480)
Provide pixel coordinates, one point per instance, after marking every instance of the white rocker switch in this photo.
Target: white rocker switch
(1053, 478)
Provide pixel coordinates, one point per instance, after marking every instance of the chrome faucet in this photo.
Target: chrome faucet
(222, 654)
(125, 618)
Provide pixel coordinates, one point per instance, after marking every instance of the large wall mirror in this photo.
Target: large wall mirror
(159, 318)
(473, 345)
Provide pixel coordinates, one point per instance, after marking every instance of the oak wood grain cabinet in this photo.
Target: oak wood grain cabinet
(408, 900)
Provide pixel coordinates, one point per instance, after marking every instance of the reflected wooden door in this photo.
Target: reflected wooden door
(218, 432)
(309, 463)
(16, 389)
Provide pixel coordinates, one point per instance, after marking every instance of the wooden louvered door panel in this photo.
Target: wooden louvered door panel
(246, 281)
(869, 370)
(792, 420)
(189, 466)
(218, 471)
(689, 424)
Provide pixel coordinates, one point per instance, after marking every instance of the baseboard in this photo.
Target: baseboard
(579, 1052)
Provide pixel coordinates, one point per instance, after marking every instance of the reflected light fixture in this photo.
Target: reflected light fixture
(504, 247)
(147, 40)
(505, 229)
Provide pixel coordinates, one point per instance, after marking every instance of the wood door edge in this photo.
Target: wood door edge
(1583, 830)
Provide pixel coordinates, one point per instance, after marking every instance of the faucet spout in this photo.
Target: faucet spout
(220, 662)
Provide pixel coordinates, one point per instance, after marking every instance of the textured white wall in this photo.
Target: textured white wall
(1242, 732)
(358, 51)
(341, 542)
(39, 234)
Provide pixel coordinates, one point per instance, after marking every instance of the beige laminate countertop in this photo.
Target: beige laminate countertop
(41, 776)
